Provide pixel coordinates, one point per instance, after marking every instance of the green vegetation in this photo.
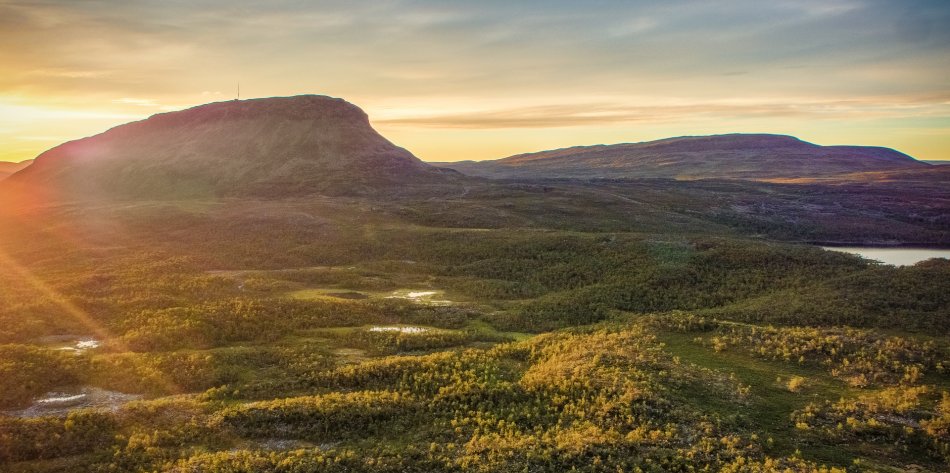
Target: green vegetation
(284, 343)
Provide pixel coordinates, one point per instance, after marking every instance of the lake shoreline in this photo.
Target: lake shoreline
(881, 245)
(895, 256)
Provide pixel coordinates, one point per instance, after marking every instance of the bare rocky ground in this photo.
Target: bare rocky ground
(61, 402)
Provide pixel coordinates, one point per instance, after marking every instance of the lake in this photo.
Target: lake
(894, 256)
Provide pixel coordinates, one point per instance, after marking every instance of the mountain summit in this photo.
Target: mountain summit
(734, 156)
(270, 146)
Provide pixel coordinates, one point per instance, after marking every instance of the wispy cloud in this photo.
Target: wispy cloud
(821, 8)
(592, 114)
(135, 101)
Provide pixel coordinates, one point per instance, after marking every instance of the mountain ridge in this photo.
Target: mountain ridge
(737, 155)
(8, 168)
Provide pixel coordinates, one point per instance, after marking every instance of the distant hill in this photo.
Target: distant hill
(265, 147)
(7, 168)
(735, 156)
(916, 177)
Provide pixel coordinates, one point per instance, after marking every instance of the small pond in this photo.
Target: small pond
(894, 256)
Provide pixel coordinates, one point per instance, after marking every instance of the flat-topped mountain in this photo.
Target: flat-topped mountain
(271, 146)
(735, 156)
(7, 168)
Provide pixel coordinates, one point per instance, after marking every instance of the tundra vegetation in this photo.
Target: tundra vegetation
(263, 343)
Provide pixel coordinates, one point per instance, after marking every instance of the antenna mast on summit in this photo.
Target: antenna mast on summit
(239, 91)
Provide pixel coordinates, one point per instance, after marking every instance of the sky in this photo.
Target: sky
(453, 80)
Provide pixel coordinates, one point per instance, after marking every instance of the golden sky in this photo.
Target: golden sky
(454, 80)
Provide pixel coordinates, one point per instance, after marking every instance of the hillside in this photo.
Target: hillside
(271, 147)
(8, 168)
(736, 156)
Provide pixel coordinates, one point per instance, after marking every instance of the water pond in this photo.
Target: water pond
(894, 256)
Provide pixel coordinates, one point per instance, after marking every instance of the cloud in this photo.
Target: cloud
(598, 114)
(489, 64)
(634, 26)
(822, 8)
(137, 102)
